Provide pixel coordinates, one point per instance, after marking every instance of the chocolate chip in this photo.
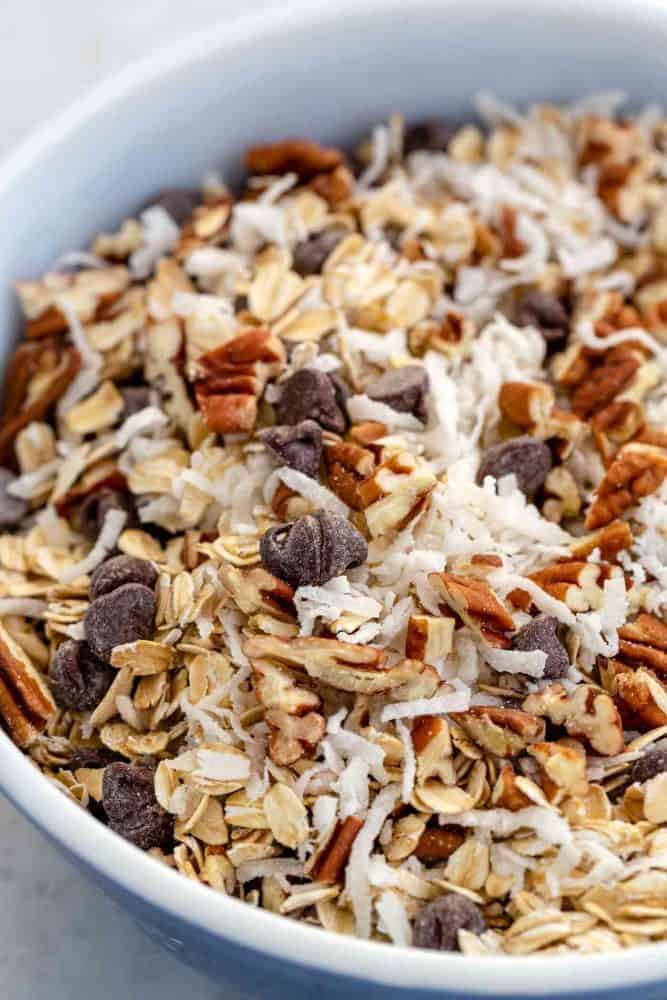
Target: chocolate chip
(528, 458)
(310, 394)
(124, 615)
(120, 570)
(180, 203)
(405, 389)
(128, 797)
(79, 680)
(309, 255)
(313, 549)
(94, 757)
(542, 634)
(546, 313)
(652, 763)
(299, 447)
(437, 924)
(135, 398)
(12, 509)
(94, 508)
(432, 135)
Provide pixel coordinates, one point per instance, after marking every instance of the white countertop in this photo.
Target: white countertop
(60, 938)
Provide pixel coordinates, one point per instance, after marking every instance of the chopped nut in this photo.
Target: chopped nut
(428, 638)
(641, 698)
(26, 706)
(504, 732)
(563, 770)
(637, 471)
(476, 605)
(587, 713)
(532, 407)
(395, 493)
(329, 861)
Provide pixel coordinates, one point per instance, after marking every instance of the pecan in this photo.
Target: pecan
(84, 292)
(288, 505)
(396, 492)
(256, 590)
(615, 537)
(576, 583)
(233, 379)
(432, 745)
(291, 712)
(451, 336)
(587, 713)
(348, 465)
(342, 665)
(637, 471)
(641, 698)
(302, 157)
(651, 300)
(562, 495)
(428, 638)
(562, 769)
(476, 605)
(504, 732)
(329, 860)
(643, 643)
(37, 376)
(366, 433)
(335, 186)
(532, 407)
(26, 705)
(507, 793)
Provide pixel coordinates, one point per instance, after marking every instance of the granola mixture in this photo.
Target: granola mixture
(334, 531)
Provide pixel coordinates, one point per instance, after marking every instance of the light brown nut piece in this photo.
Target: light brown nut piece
(507, 793)
(610, 540)
(476, 605)
(84, 292)
(641, 698)
(343, 665)
(576, 583)
(335, 186)
(26, 705)
(451, 336)
(587, 713)
(329, 860)
(504, 732)
(562, 494)
(532, 407)
(637, 471)
(254, 590)
(643, 642)
(293, 736)
(300, 156)
(348, 465)
(432, 745)
(428, 638)
(396, 492)
(275, 688)
(562, 768)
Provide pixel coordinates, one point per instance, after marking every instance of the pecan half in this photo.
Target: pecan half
(473, 601)
(504, 732)
(342, 665)
(562, 769)
(643, 643)
(26, 705)
(576, 583)
(233, 379)
(587, 713)
(641, 698)
(637, 471)
(302, 157)
(37, 376)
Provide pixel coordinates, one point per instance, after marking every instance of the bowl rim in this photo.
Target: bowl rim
(142, 876)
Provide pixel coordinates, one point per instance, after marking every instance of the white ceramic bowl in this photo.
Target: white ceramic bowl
(328, 71)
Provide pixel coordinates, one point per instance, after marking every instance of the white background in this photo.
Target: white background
(60, 938)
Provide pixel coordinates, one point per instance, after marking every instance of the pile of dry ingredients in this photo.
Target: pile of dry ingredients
(335, 531)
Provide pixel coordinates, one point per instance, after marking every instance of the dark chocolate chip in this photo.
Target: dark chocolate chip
(653, 762)
(120, 570)
(12, 509)
(542, 634)
(309, 255)
(132, 810)
(528, 458)
(546, 313)
(135, 398)
(405, 389)
(79, 680)
(299, 447)
(310, 395)
(432, 135)
(94, 508)
(93, 757)
(313, 549)
(437, 924)
(124, 615)
(180, 203)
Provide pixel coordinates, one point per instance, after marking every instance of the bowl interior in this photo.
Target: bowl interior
(328, 73)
